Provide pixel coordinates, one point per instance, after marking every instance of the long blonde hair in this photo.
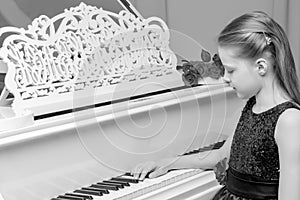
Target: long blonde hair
(257, 33)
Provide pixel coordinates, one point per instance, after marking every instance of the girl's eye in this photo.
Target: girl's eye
(229, 71)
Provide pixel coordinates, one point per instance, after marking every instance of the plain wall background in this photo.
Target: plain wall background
(193, 23)
(203, 20)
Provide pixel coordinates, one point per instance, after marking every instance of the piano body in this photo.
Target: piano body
(96, 93)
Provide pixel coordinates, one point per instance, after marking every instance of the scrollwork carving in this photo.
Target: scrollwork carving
(84, 47)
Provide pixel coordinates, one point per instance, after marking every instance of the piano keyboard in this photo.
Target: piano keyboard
(176, 184)
(216, 145)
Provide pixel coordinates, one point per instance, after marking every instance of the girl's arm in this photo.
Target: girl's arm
(204, 160)
(287, 135)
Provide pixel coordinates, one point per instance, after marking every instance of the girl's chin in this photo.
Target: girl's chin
(240, 95)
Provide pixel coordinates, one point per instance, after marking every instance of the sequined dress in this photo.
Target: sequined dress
(254, 154)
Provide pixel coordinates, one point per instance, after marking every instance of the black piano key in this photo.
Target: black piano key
(219, 144)
(95, 189)
(89, 192)
(79, 195)
(194, 151)
(106, 187)
(90, 188)
(69, 197)
(100, 189)
(128, 180)
(128, 174)
(117, 182)
(216, 145)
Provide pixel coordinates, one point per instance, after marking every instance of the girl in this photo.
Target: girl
(264, 151)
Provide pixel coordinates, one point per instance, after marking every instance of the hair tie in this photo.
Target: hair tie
(268, 39)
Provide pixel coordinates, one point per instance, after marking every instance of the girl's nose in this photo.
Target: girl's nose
(226, 79)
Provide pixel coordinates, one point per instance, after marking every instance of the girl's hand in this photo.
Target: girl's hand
(150, 169)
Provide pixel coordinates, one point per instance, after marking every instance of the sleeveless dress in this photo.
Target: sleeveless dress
(253, 168)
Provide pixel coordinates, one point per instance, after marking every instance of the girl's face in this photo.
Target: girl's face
(241, 74)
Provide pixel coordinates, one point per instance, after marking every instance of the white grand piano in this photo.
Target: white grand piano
(89, 94)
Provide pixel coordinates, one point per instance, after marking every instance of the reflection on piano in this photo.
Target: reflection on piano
(104, 95)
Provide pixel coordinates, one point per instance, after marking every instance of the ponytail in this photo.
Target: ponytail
(285, 69)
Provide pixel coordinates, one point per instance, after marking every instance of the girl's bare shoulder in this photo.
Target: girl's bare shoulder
(287, 130)
(290, 118)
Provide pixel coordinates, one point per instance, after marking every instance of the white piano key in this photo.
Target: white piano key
(146, 186)
(202, 180)
(149, 185)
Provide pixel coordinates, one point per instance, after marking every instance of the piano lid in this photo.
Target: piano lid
(84, 56)
(126, 4)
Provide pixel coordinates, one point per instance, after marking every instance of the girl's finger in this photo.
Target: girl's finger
(137, 171)
(144, 173)
(157, 173)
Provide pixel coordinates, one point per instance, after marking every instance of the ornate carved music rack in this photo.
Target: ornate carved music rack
(84, 56)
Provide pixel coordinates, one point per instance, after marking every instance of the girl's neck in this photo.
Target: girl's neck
(268, 97)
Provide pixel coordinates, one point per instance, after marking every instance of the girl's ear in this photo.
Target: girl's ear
(262, 66)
